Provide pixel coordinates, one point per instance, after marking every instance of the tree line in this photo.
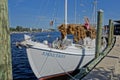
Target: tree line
(23, 29)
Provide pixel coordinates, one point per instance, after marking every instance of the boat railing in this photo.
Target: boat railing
(61, 44)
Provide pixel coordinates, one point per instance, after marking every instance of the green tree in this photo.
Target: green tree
(19, 28)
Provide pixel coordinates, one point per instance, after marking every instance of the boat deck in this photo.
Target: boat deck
(109, 67)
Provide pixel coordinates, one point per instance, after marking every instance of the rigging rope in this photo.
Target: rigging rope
(43, 65)
(53, 20)
(64, 70)
(94, 14)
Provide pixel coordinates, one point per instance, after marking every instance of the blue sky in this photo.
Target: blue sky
(39, 13)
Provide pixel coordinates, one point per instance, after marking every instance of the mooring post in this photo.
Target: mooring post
(99, 33)
(5, 53)
(110, 32)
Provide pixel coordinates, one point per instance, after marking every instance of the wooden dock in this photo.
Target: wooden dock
(109, 67)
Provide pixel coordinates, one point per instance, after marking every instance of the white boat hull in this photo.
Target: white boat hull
(47, 62)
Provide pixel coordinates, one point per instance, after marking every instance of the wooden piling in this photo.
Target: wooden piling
(110, 32)
(99, 33)
(5, 53)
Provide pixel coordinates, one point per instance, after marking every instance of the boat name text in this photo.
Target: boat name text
(52, 54)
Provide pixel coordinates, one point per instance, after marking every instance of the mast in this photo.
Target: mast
(66, 13)
(65, 17)
(75, 13)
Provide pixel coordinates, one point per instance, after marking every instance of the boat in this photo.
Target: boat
(60, 57)
(46, 61)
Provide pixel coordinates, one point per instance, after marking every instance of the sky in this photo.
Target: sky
(39, 13)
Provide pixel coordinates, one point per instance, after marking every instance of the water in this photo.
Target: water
(20, 64)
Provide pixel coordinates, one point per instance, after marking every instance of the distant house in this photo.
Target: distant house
(117, 27)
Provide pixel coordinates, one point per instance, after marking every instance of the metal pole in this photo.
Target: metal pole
(5, 55)
(66, 13)
(66, 6)
(110, 32)
(99, 33)
(75, 13)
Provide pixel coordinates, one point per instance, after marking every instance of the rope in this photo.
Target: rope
(64, 70)
(43, 65)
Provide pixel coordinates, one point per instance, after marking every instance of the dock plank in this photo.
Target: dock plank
(109, 67)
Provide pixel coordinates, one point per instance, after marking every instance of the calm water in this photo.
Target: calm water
(21, 67)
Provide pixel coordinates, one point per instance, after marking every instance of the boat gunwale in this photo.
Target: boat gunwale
(64, 52)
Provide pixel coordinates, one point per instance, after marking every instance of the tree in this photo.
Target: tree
(19, 28)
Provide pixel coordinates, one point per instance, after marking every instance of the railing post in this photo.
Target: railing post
(110, 32)
(99, 33)
(5, 53)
